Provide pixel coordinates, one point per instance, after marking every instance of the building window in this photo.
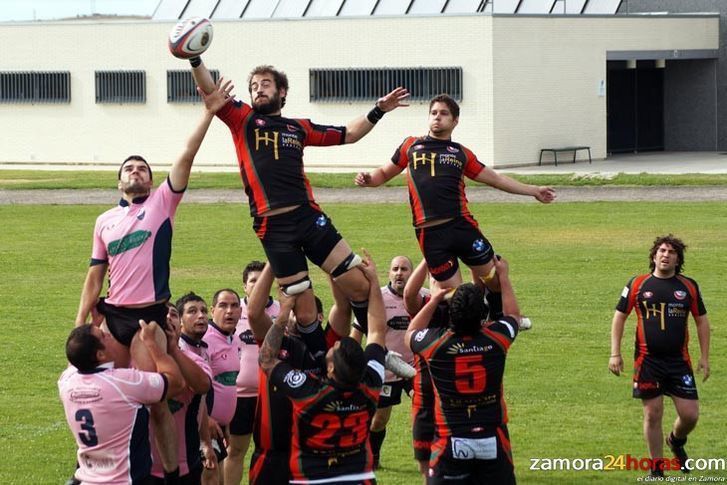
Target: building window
(181, 87)
(120, 87)
(369, 84)
(35, 87)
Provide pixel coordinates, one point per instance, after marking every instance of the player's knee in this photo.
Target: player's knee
(653, 416)
(690, 417)
(297, 287)
(350, 262)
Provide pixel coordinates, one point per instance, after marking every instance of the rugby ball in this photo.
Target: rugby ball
(190, 37)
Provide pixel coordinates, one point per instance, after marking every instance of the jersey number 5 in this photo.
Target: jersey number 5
(88, 435)
(470, 374)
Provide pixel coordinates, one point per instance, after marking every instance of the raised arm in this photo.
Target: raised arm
(339, 317)
(197, 379)
(359, 127)
(703, 335)
(379, 176)
(165, 364)
(413, 300)
(268, 357)
(202, 75)
(260, 322)
(376, 311)
(616, 362)
(179, 173)
(421, 320)
(488, 176)
(89, 295)
(509, 301)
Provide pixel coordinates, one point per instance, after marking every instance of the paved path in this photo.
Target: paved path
(385, 195)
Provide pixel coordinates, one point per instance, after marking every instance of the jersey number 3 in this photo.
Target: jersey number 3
(470, 374)
(88, 434)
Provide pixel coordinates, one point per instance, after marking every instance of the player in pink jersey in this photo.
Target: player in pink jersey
(133, 243)
(224, 358)
(105, 407)
(397, 321)
(240, 428)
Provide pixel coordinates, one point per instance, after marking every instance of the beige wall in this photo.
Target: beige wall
(547, 72)
(530, 84)
(84, 131)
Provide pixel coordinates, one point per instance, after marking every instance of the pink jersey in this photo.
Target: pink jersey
(185, 408)
(397, 321)
(106, 413)
(247, 379)
(136, 242)
(224, 360)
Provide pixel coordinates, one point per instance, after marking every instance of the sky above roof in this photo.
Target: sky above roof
(24, 10)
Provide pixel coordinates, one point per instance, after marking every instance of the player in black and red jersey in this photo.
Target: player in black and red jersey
(467, 361)
(287, 219)
(444, 225)
(663, 300)
(332, 415)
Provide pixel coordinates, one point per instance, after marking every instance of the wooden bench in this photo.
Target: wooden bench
(555, 152)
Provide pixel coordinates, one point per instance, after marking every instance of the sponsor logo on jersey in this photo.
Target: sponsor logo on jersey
(420, 335)
(338, 406)
(227, 378)
(260, 122)
(680, 295)
(452, 149)
(463, 348)
(292, 128)
(647, 294)
(141, 215)
(294, 378)
(418, 147)
(128, 242)
(85, 395)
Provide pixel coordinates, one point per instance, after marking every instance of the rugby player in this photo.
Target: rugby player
(663, 300)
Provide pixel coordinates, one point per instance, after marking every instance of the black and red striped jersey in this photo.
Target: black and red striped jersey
(436, 171)
(270, 155)
(331, 423)
(467, 375)
(662, 308)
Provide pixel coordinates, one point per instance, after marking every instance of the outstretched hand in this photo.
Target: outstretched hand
(363, 179)
(546, 195)
(219, 97)
(393, 100)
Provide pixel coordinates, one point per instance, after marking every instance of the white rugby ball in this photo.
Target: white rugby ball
(190, 37)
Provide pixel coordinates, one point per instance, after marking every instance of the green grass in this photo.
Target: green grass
(34, 179)
(568, 263)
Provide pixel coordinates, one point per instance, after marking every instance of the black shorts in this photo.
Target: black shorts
(391, 392)
(123, 322)
(460, 238)
(654, 376)
(194, 477)
(463, 468)
(242, 421)
(269, 467)
(423, 432)
(290, 237)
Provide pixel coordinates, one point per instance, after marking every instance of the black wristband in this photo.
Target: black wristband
(375, 115)
(195, 61)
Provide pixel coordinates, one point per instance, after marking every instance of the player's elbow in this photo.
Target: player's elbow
(176, 384)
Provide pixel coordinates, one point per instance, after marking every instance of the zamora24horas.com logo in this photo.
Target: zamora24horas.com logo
(626, 462)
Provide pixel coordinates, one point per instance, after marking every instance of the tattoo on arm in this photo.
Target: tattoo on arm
(271, 347)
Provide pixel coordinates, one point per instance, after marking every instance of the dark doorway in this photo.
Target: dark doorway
(635, 106)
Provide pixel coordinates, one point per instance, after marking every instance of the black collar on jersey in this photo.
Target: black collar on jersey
(393, 291)
(136, 200)
(431, 138)
(194, 343)
(226, 334)
(103, 367)
(267, 305)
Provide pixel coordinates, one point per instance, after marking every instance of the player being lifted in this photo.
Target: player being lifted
(444, 225)
(287, 220)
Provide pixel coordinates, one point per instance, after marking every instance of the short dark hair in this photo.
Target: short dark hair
(252, 267)
(138, 158)
(184, 299)
(448, 100)
(81, 348)
(223, 290)
(467, 309)
(280, 78)
(349, 362)
(675, 243)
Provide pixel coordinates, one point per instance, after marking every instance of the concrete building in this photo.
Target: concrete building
(525, 80)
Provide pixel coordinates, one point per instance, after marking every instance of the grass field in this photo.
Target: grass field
(569, 263)
(41, 179)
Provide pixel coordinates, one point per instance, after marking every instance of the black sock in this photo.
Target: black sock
(676, 441)
(376, 438)
(360, 311)
(494, 301)
(172, 478)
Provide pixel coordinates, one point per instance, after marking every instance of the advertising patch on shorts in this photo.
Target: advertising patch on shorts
(474, 449)
(386, 390)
